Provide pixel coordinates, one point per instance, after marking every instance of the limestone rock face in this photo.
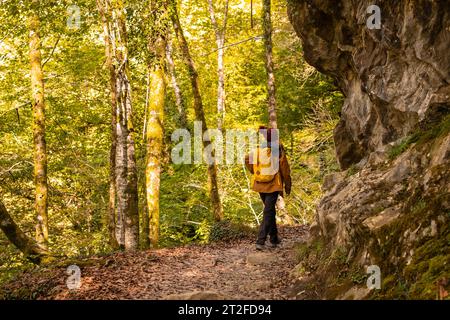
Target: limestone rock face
(393, 78)
(380, 196)
(387, 208)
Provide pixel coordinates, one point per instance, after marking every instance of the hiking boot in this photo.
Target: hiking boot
(259, 247)
(275, 244)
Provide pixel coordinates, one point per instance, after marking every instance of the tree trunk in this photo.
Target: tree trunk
(127, 178)
(199, 113)
(155, 138)
(179, 100)
(121, 174)
(220, 41)
(111, 218)
(40, 152)
(125, 171)
(267, 26)
(112, 211)
(221, 83)
(31, 249)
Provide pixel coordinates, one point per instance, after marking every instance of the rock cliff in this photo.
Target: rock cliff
(391, 205)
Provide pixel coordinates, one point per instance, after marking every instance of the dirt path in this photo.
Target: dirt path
(233, 270)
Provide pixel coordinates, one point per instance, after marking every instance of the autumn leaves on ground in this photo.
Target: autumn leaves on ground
(225, 270)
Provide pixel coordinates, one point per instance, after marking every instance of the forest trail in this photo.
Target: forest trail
(233, 270)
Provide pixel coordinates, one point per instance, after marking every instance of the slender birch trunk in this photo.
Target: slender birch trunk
(125, 171)
(179, 100)
(220, 33)
(112, 212)
(267, 26)
(127, 176)
(221, 83)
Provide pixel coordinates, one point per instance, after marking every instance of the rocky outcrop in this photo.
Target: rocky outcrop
(393, 78)
(391, 205)
(392, 213)
(378, 197)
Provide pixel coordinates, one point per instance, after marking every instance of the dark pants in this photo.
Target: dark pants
(268, 225)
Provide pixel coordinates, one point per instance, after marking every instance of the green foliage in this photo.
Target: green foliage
(78, 124)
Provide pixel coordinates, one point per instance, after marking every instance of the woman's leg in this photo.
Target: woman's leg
(268, 225)
(273, 231)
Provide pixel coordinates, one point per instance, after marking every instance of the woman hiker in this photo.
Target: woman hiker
(270, 169)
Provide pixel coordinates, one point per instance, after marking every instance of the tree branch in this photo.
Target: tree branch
(15, 108)
(28, 246)
(212, 16)
(259, 37)
(51, 54)
(225, 18)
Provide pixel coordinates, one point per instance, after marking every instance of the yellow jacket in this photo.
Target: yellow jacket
(282, 177)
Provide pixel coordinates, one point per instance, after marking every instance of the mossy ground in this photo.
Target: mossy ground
(429, 263)
(332, 273)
